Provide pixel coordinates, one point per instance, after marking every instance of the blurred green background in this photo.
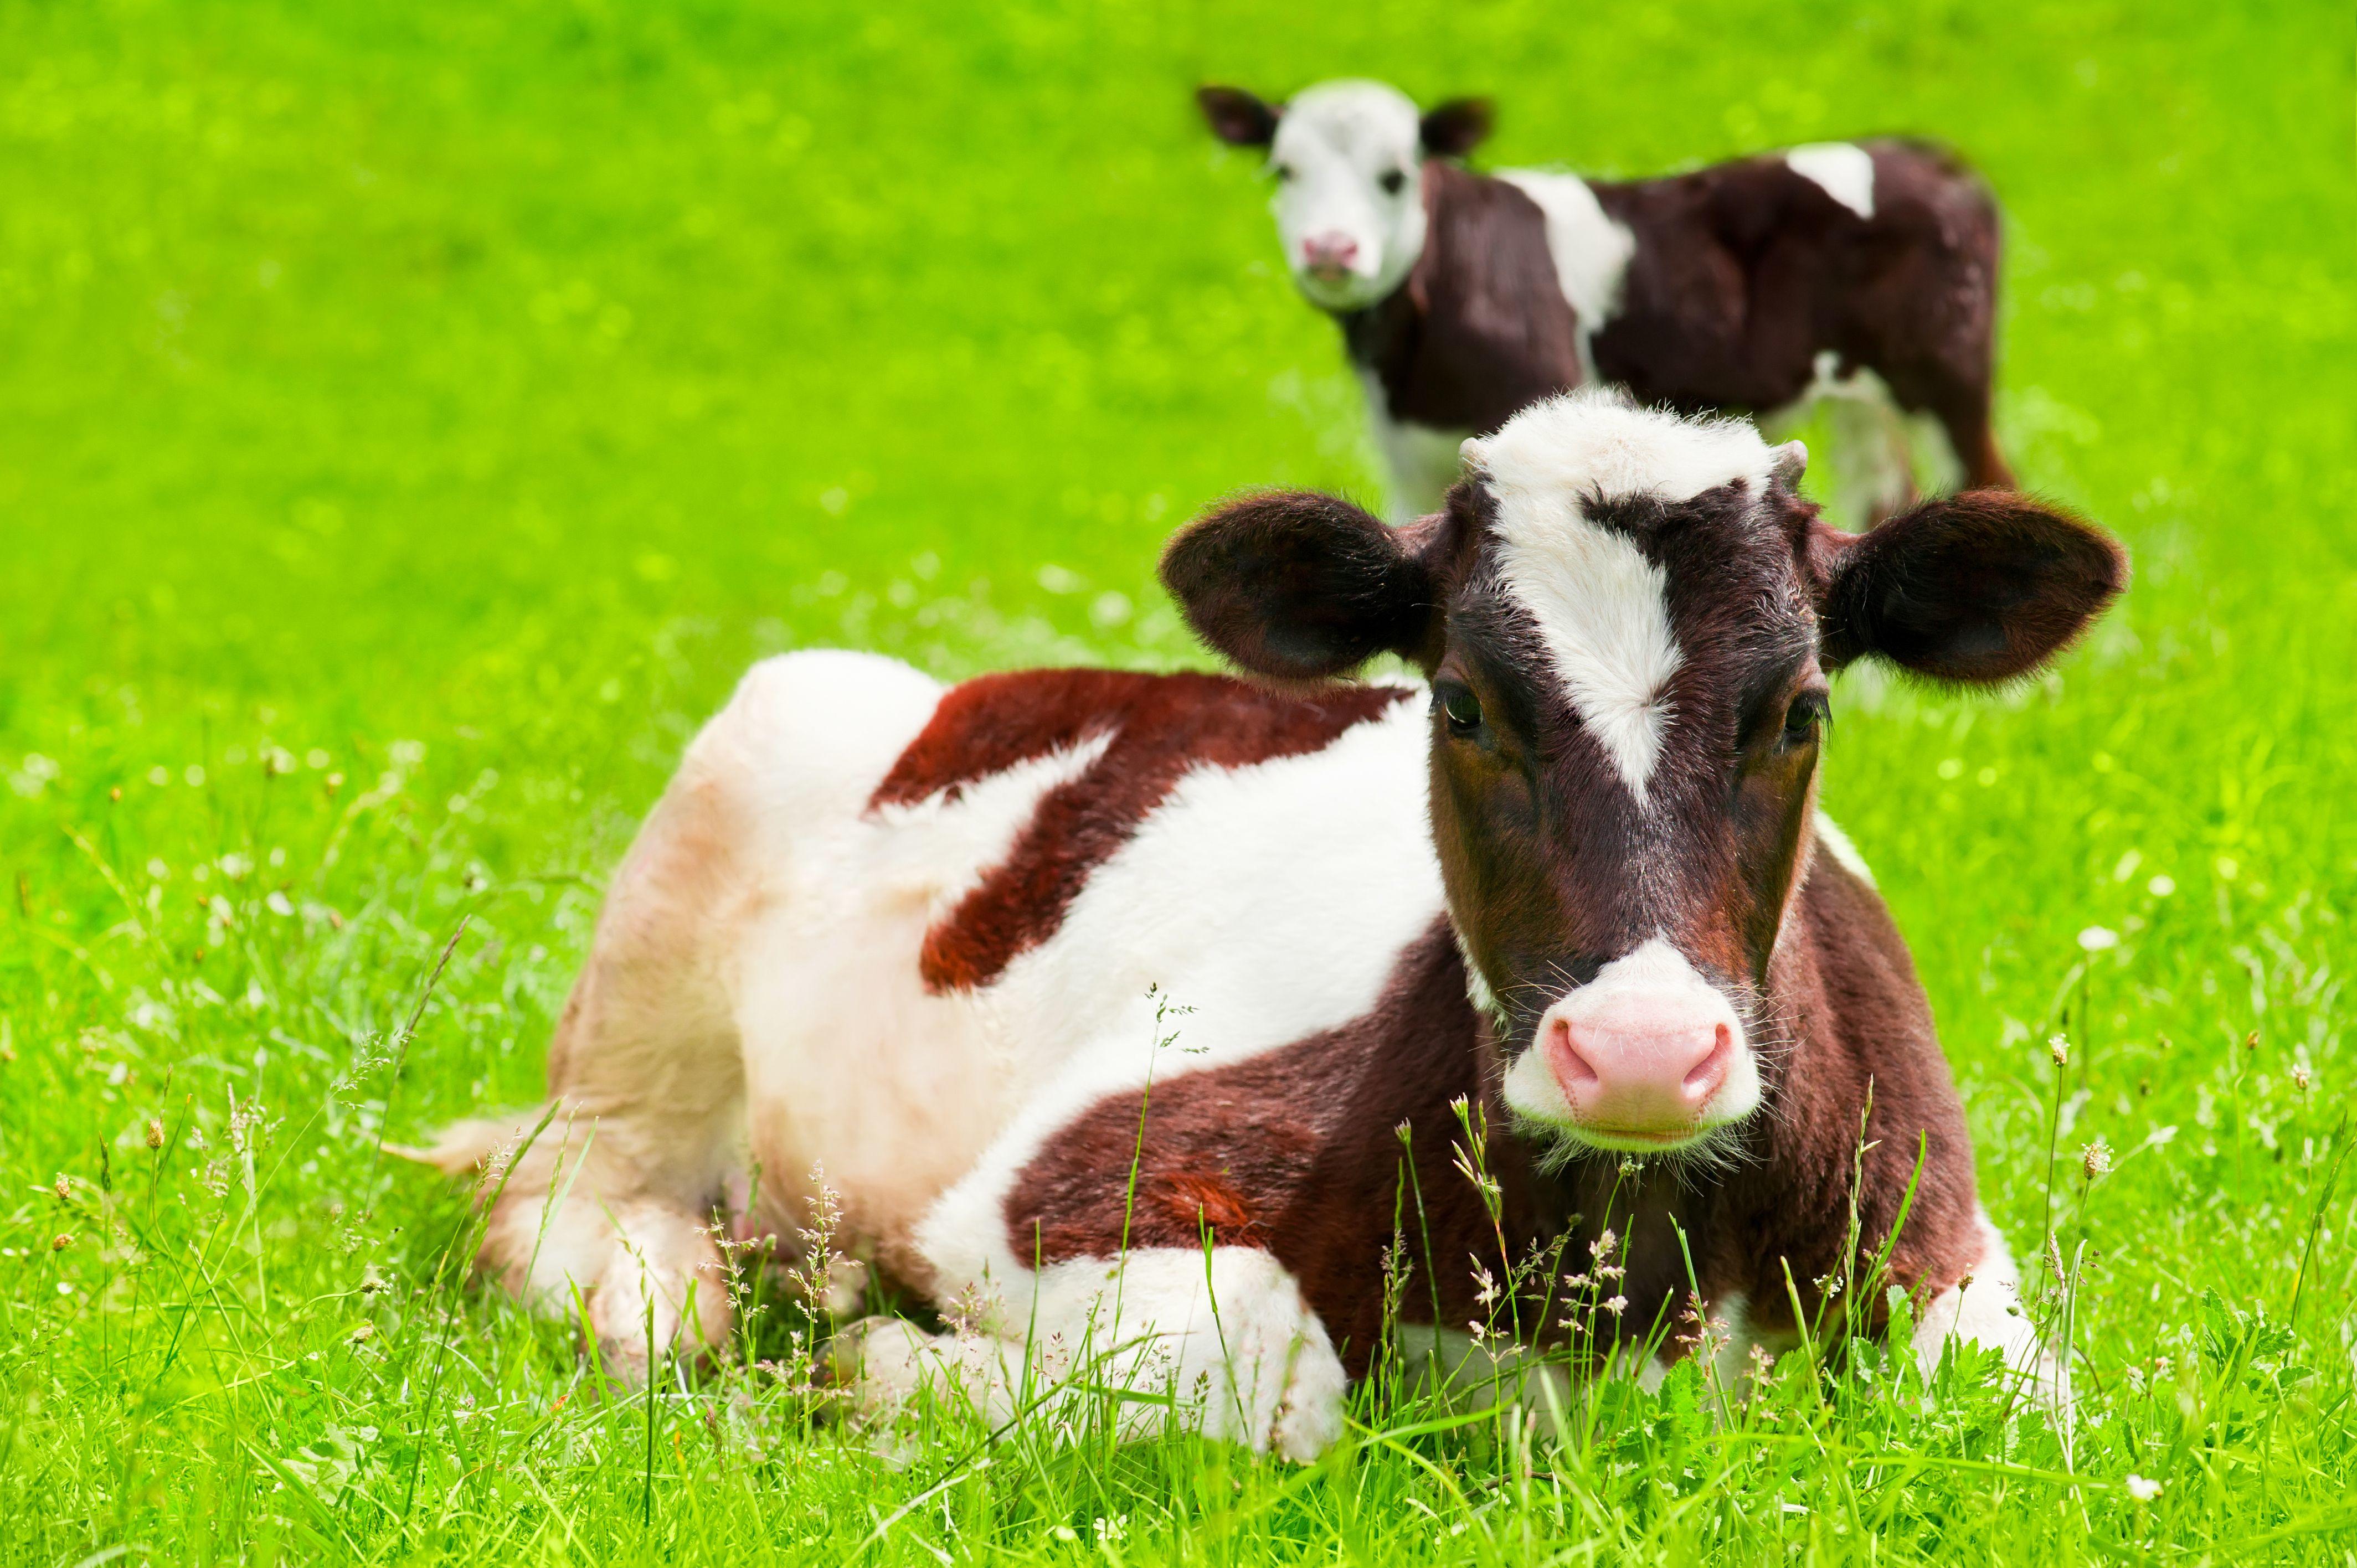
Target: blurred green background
(413, 417)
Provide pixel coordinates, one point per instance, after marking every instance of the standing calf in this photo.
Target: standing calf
(923, 939)
(1860, 275)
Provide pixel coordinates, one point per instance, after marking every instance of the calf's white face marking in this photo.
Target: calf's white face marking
(1348, 158)
(1598, 603)
(1843, 171)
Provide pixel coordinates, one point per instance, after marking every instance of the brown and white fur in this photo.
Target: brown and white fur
(1861, 277)
(1060, 970)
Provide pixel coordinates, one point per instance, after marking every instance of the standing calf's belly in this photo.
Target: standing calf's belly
(1176, 872)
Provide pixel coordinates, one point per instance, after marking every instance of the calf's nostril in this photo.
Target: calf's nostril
(1570, 1064)
(1706, 1074)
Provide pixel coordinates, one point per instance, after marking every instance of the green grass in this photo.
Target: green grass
(413, 417)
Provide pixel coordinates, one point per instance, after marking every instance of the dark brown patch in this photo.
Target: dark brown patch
(1480, 329)
(1744, 273)
(1161, 727)
(1300, 1147)
(1301, 1144)
(1746, 270)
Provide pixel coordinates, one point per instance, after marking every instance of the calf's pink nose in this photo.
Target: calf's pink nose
(1328, 253)
(1641, 1064)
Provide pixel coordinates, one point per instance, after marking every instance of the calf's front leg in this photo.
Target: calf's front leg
(1215, 1340)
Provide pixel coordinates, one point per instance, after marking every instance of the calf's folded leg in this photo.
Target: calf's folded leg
(1216, 1340)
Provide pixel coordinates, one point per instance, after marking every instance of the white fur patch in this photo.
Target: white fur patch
(1598, 603)
(1188, 908)
(1596, 441)
(1843, 171)
(1590, 249)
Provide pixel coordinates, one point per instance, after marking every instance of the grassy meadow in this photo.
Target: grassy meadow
(412, 419)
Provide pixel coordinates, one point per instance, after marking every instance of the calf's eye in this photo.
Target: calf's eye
(1806, 716)
(1460, 707)
(1394, 180)
(1282, 172)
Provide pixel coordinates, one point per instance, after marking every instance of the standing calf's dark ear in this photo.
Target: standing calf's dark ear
(1453, 129)
(1300, 587)
(1237, 117)
(1977, 587)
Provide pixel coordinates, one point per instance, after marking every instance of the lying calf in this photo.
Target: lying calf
(1861, 275)
(928, 941)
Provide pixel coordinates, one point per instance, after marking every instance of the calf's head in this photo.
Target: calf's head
(1348, 158)
(1628, 620)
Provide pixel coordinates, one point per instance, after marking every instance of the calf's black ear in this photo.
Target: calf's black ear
(1974, 588)
(1453, 129)
(1300, 587)
(1237, 117)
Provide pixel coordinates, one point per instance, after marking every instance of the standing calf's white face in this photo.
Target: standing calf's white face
(1348, 158)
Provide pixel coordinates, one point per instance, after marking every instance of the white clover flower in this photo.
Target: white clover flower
(2141, 1489)
(2098, 938)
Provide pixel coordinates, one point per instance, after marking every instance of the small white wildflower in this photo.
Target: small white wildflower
(2059, 1048)
(2300, 1078)
(2098, 938)
(2141, 1489)
(2095, 1159)
(1615, 1304)
(1602, 1246)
